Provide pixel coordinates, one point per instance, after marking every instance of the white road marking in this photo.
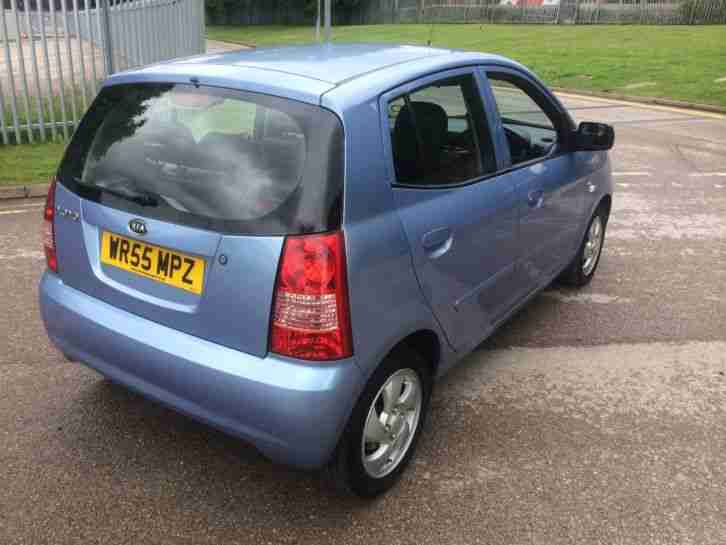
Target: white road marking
(632, 174)
(638, 218)
(717, 186)
(708, 175)
(24, 207)
(7, 212)
(22, 254)
(599, 381)
(585, 298)
(620, 184)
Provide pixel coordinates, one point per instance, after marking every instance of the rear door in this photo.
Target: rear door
(459, 218)
(174, 201)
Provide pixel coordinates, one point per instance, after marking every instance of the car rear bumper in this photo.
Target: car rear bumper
(293, 412)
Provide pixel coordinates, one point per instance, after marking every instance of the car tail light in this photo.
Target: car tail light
(311, 314)
(49, 230)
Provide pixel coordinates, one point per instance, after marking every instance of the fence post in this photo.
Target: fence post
(106, 30)
(317, 23)
(328, 20)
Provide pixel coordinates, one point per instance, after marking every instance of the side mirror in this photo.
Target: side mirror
(593, 137)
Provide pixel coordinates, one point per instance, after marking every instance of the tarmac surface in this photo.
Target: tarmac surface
(592, 417)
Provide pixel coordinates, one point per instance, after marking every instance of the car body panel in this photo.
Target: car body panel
(291, 411)
(467, 277)
(233, 310)
(215, 365)
(292, 86)
(333, 64)
(382, 283)
(550, 194)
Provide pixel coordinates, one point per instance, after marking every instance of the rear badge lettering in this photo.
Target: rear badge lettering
(67, 213)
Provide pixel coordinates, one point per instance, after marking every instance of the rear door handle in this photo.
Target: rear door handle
(437, 242)
(535, 198)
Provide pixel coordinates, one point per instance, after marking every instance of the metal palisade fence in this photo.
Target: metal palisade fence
(54, 55)
(542, 11)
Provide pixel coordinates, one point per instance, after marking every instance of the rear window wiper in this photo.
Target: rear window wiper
(144, 198)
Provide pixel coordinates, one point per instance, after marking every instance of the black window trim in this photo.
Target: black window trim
(544, 95)
(432, 78)
(336, 214)
(479, 71)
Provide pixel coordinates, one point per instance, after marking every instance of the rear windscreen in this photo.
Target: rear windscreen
(229, 161)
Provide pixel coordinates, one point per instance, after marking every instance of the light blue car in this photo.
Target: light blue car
(292, 244)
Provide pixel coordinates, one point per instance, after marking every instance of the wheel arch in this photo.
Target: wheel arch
(426, 343)
(605, 202)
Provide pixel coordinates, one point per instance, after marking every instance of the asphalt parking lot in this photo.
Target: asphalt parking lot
(592, 417)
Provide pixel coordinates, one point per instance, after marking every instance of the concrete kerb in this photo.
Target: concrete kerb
(646, 102)
(33, 191)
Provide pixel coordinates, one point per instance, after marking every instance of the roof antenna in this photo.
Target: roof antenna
(431, 33)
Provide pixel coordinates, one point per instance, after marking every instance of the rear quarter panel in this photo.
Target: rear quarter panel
(386, 301)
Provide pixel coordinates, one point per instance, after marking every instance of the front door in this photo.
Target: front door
(459, 218)
(532, 128)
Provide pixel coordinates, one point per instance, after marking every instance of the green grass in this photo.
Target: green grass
(677, 62)
(29, 163)
(35, 163)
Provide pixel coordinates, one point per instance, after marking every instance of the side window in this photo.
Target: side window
(530, 130)
(439, 135)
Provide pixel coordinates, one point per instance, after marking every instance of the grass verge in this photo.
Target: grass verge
(676, 62)
(29, 163)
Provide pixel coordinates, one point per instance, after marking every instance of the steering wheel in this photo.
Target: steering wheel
(520, 144)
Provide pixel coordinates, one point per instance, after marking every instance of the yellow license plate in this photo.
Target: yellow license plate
(161, 264)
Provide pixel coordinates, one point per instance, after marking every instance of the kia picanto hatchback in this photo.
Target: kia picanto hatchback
(292, 244)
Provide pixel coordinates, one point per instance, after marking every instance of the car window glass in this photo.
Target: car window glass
(213, 158)
(229, 116)
(439, 135)
(530, 132)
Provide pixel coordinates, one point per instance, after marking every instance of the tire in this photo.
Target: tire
(580, 272)
(353, 467)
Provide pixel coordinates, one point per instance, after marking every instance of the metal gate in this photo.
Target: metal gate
(54, 54)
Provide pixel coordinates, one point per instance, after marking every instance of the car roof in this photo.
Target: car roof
(331, 63)
(308, 72)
